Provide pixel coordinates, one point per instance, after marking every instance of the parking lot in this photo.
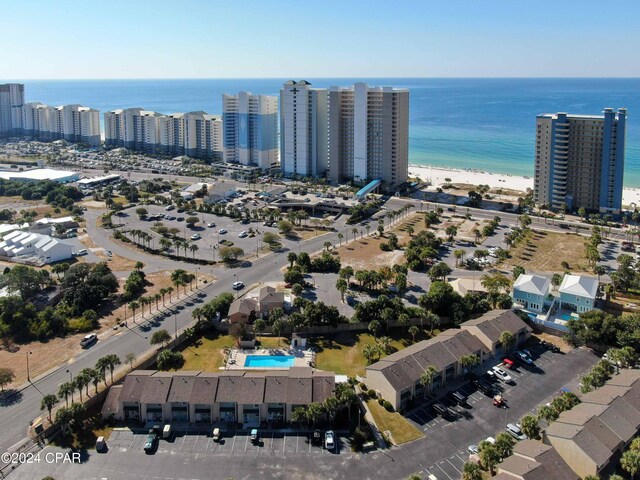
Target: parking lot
(233, 445)
(480, 418)
(210, 239)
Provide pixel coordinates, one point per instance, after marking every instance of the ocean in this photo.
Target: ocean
(486, 124)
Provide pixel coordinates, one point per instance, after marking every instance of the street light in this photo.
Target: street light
(197, 273)
(28, 377)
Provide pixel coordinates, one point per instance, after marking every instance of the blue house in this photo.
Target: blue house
(530, 291)
(578, 293)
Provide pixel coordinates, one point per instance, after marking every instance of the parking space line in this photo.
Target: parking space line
(297, 439)
(208, 444)
(456, 468)
(246, 443)
(234, 443)
(444, 471)
(284, 442)
(309, 444)
(461, 459)
(133, 438)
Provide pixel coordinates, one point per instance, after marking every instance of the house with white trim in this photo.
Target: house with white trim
(578, 293)
(530, 291)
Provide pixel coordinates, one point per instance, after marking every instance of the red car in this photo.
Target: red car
(507, 363)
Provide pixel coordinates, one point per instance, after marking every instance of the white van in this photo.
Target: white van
(88, 340)
(166, 431)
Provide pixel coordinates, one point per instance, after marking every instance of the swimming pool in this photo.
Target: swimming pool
(269, 361)
(566, 317)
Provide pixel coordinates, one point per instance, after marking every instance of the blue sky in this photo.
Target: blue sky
(348, 38)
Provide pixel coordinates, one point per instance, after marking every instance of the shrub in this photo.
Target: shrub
(372, 393)
(381, 402)
(363, 387)
(81, 324)
(387, 406)
(385, 247)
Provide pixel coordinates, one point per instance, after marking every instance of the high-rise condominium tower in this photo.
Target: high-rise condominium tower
(356, 133)
(580, 161)
(196, 134)
(303, 129)
(250, 124)
(11, 100)
(369, 134)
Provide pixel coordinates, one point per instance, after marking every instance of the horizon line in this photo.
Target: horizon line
(568, 77)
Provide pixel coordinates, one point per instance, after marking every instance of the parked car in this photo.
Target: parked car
(458, 397)
(166, 431)
(101, 445)
(502, 375)
(242, 234)
(80, 252)
(211, 225)
(484, 386)
(440, 409)
(329, 440)
(255, 436)
(222, 231)
(168, 208)
(237, 285)
(515, 432)
(88, 340)
(523, 357)
(216, 435)
(196, 236)
(472, 449)
(316, 437)
(151, 441)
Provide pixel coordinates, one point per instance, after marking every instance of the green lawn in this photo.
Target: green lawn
(342, 353)
(401, 430)
(206, 353)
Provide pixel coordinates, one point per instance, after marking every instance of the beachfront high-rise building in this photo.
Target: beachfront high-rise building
(196, 134)
(303, 130)
(369, 134)
(356, 133)
(250, 124)
(73, 123)
(580, 161)
(11, 100)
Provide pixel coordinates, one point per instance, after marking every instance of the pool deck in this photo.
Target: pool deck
(237, 358)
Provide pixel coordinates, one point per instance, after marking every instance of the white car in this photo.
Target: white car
(242, 234)
(211, 225)
(515, 432)
(237, 285)
(222, 231)
(195, 236)
(329, 440)
(501, 374)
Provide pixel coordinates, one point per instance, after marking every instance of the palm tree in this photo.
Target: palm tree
(354, 231)
(96, 376)
(369, 351)
(507, 339)
(112, 361)
(471, 471)
(414, 330)
(66, 390)
(194, 248)
(134, 306)
(340, 237)
(426, 378)
(80, 382)
(48, 402)
(86, 374)
(163, 292)
(157, 298)
(169, 291)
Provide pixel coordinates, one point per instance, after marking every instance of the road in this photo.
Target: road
(15, 417)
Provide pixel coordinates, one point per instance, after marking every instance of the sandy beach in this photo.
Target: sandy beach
(437, 177)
